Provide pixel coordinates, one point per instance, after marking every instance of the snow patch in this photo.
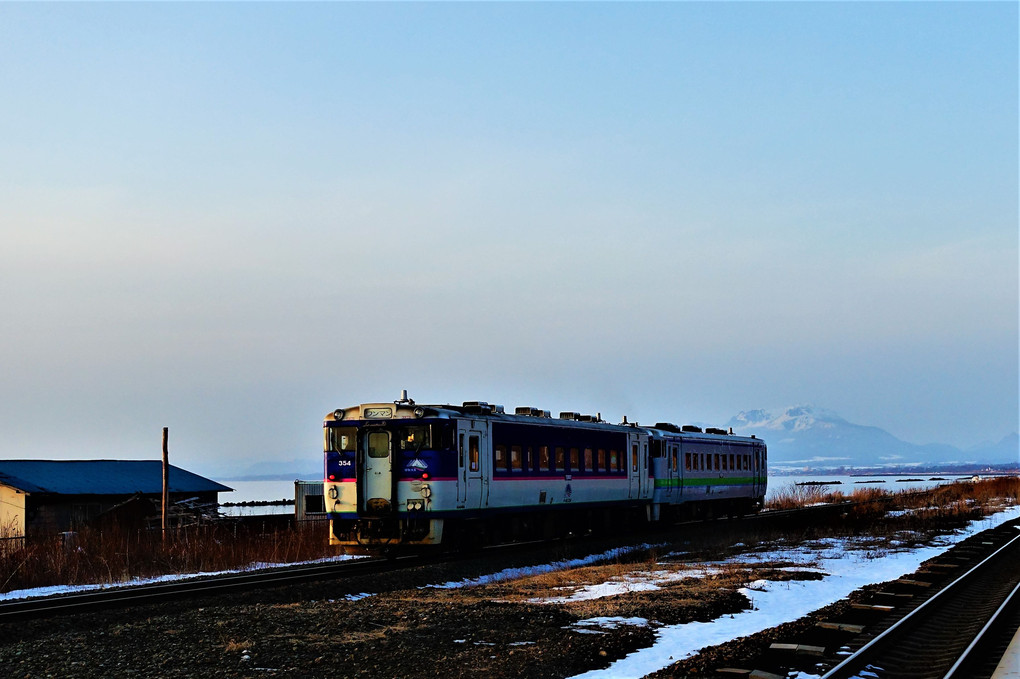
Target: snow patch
(780, 602)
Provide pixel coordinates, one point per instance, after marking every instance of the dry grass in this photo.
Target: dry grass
(109, 556)
(889, 519)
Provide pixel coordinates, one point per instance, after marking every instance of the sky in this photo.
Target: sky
(230, 219)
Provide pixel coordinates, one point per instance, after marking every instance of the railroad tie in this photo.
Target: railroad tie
(802, 649)
(842, 627)
(872, 607)
(916, 583)
(762, 674)
(736, 671)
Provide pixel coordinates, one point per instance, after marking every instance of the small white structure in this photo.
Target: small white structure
(309, 501)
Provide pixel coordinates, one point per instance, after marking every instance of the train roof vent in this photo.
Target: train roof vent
(691, 428)
(570, 416)
(498, 409)
(477, 407)
(715, 430)
(667, 426)
(533, 412)
(589, 418)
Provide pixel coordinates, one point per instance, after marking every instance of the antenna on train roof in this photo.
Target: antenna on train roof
(403, 397)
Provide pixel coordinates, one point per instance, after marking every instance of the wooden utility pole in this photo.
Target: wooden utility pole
(166, 481)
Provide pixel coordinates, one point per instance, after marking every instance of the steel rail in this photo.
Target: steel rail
(844, 668)
(965, 656)
(152, 592)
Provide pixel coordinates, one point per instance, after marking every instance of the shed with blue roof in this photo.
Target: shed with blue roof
(45, 497)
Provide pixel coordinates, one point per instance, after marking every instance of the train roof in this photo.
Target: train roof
(408, 409)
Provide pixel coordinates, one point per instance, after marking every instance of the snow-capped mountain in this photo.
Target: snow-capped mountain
(804, 436)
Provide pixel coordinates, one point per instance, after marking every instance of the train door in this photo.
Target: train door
(471, 461)
(682, 469)
(673, 469)
(632, 468)
(760, 470)
(377, 481)
(637, 475)
(645, 470)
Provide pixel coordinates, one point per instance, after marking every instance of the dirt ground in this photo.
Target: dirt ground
(407, 627)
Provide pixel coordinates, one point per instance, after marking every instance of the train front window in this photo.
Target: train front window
(342, 439)
(414, 438)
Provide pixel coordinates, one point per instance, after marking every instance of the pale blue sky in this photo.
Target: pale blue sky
(230, 219)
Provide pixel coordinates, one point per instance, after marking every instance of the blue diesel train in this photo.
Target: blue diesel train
(402, 474)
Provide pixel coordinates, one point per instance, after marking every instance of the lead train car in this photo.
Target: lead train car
(405, 474)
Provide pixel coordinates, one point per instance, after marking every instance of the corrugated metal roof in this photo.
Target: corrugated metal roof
(100, 477)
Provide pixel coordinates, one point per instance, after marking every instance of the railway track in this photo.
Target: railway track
(953, 618)
(79, 602)
(960, 631)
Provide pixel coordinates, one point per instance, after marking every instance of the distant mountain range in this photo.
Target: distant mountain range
(798, 438)
(807, 437)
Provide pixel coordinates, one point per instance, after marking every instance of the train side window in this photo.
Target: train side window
(731, 461)
(602, 460)
(516, 458)
(588, 459)
(575, 460)
(724, 467)
(560, 458)
(500, 453)
(675, 455)
(474, 444)
(461, 451)
(633, 457)
(613, 460)
(543, 458)
(687, 461)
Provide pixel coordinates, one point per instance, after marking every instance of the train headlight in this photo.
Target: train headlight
(338, 414)
(419, 412)
(426, 491)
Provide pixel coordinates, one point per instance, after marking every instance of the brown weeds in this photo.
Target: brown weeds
(95, 556)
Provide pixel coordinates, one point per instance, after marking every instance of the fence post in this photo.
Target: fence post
(166, 481)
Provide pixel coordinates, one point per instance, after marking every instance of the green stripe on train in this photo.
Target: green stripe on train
(697, 483)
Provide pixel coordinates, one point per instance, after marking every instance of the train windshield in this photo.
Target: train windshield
(415, 438)
(410, 439)
(341, 439)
